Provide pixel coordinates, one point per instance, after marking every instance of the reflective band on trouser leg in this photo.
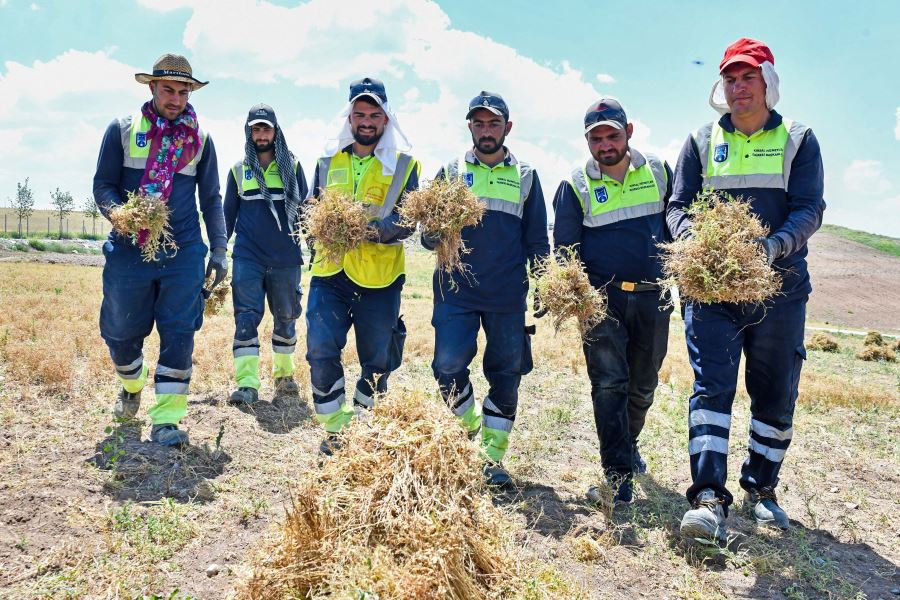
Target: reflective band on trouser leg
(495, 432)
(171, 402)
(769, 441)
(133, 376)
(332, 409)
(246, 363)
(283, 355)
(465, 408)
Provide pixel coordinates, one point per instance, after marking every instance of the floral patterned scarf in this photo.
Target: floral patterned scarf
(173, 144)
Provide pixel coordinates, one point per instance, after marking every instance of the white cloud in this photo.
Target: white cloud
(34, 6)
(866, 178)
(605, 78)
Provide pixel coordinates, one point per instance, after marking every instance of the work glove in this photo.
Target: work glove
(218, 261)
(431, 240)
(772, 246)
(538, 307)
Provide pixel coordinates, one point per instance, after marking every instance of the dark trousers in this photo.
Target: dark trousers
(771, 339)
(623, 354)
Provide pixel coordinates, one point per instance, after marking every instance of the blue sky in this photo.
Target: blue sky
(66, 70)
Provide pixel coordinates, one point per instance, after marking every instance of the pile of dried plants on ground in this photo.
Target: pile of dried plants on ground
(145, 221)
(875, 348)
(442, 210)
(720, 261)
(399, 511)
(337, 223)
(218, 295)
(564, 290)
(823, 342)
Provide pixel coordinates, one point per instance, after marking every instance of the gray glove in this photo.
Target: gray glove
(218, 261)
(772, 246)
(431, 240)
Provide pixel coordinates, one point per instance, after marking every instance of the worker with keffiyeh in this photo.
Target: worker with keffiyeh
(262, 199)
(368, 160)
(159, 151)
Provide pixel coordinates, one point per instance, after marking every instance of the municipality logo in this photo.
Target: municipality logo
(141, 139)
(248, 174)
(720, 153)
(601, 194)
(469, 179)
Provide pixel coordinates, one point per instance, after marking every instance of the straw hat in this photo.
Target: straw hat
(173, 67)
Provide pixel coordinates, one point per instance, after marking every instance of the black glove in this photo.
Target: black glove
(431, 240)
(538, 306)
(218, 261)
(772, 246)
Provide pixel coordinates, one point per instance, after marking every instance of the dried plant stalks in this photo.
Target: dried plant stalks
(721, 262)
(875, 353)
(442, 210)
(566, 292)
(145, 220)
(873, 338)
(338, 224)
(399, 511)
(217, 295)
(823, 342)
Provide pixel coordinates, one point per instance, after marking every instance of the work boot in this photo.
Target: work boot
(622, 491)
(330, 445)
(127, 404)
(764, 506)
(245, 395)
(638, 465)
(168, 435)
(706, 520)
(473, 435)
(496, 476)
(286, 385)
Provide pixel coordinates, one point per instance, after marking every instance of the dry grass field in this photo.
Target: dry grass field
(88, 509)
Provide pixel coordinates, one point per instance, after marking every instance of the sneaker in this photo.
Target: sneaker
(127, 404)
(168, 435)
(245, 396)
(638, 465)
(286, 385)
(496, 476)
(330, 445)
(706, 520)
(622, 492)
(765, 509)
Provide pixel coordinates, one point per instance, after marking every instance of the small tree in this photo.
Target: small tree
(23, 203)
(63, 203)
(90, 210)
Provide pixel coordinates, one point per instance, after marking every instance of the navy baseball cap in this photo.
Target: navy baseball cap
(606, 111)
(374, 88)
(490, 101)
(262, 113)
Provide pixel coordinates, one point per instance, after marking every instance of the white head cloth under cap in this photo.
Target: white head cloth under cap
(392, 141)
(717, 94)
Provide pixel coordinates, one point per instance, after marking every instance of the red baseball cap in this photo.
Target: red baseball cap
(746, 50)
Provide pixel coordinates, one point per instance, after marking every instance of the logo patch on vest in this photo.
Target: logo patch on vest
(601, 194)
(140, 139)
(720, 152)
(469, 178)
(248, 174)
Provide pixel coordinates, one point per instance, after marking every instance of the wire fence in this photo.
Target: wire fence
(46, 226)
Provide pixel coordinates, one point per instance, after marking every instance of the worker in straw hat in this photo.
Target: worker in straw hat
(159, 151)
(492, 292)
(774, 163)
(262, 200)
(612, 214)
(368, 159)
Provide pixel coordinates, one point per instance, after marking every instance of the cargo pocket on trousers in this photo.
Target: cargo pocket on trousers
(297, 309)
(527, 360)
(398, 339)
(799, 357)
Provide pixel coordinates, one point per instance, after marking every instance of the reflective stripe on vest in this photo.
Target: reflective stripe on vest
(248, 185)
(136, 146)
(372, 265)
(731, 160)
(641, 194)
(501, 189)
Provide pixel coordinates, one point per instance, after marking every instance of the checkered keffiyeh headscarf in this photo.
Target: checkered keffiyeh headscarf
(286, 168)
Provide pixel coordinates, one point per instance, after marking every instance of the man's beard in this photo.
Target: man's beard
(265, 146)
(367, 139)
(612, 160)
(488, 145)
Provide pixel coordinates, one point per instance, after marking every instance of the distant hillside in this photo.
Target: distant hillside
(891, 245)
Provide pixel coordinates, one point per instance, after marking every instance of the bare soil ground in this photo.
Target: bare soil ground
(91, 510)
